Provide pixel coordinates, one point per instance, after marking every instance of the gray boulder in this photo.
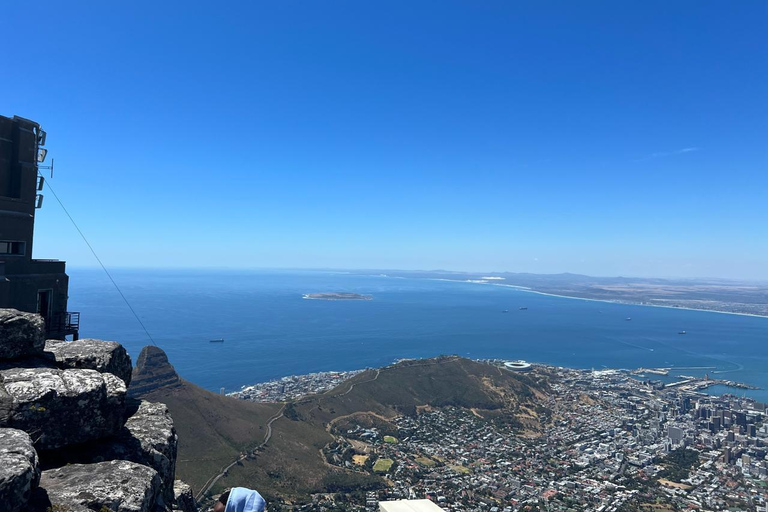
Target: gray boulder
(148, 438)
(61, 407)
(19, 469)
(118, 486)
(153, 440)
(21, 334)
(102, 356)
(183, 498)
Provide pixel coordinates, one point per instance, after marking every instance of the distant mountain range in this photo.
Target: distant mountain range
(216, 430)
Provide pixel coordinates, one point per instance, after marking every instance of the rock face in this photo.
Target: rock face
(61, 407)
(118, 486)
(21, 334)
(102, 356)
(147, 438)
(19, 471)
(150, 434)
(153, 371)
(183, 499)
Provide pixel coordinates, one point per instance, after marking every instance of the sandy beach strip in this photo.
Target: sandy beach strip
(530, 290)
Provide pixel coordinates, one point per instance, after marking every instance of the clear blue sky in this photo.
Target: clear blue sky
(606, 138)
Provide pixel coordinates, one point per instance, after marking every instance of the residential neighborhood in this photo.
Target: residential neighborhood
(606, 441)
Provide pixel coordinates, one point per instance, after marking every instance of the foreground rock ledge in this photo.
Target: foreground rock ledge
(19, 469)
(183, 498)
(61, 407)
(102, 356)
(147, 438)
(118, 486)
(151, 436)
(21, 334)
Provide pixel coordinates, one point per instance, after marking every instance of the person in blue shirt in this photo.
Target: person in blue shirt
(240, 499)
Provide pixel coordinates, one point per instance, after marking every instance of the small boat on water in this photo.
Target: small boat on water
(505, 311)
(682, 332)
(628, 318)
(523, 308)
(220, 340)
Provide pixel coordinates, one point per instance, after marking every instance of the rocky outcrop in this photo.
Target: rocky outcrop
(21, 334)
(117, 486)
(147, 438)
(19, 470)
(183, 498)
(149, 433)
(61, 407)
(102, 356)
(152, 371)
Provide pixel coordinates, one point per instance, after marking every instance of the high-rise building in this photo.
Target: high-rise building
(675, 435)
(27, 284)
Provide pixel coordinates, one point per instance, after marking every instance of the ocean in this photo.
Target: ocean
(270, 331)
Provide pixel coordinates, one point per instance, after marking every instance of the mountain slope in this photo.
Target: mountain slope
(292, 464)
(215, 430)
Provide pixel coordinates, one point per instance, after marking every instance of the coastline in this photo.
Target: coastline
(317, 382)
(531, 290)
(649, 305)
(646, 305)
(402, 302)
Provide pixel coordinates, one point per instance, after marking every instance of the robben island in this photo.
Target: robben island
(500, 398)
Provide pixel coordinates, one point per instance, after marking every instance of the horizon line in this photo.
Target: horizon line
(436, 271)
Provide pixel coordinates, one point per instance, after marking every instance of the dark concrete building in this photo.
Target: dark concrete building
(26, 284)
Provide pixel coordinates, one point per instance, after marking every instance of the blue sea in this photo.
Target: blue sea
(270, 331)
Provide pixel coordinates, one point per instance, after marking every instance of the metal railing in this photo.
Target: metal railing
(64, 324)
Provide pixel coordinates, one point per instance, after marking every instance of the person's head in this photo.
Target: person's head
(221, 503)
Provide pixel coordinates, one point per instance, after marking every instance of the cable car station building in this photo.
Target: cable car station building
(27, 284)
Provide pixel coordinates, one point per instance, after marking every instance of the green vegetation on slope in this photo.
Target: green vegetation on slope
(214, 430)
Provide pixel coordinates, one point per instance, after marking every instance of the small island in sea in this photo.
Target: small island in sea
(337, 296)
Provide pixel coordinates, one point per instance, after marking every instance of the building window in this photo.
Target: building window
(12, 248)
